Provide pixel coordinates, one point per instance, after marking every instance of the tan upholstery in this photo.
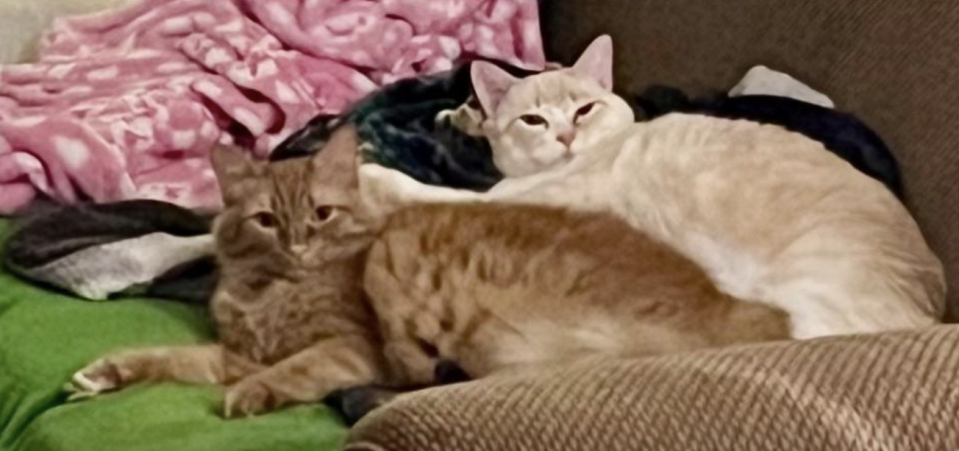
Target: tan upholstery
(881, 392)
(896, 65)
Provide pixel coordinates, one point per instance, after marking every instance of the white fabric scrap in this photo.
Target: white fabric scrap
(761, 80)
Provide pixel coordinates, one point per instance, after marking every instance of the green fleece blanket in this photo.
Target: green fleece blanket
(45, 337)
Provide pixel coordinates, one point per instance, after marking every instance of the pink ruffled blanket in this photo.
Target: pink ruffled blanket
(128, 103)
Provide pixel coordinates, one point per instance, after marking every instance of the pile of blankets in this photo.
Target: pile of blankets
(128, 103)
(148, 247)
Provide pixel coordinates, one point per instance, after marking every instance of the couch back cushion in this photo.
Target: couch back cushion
(894, 64)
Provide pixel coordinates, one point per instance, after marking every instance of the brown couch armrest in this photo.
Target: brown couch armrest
(887, 391)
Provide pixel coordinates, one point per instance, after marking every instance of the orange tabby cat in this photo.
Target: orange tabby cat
(316, 296)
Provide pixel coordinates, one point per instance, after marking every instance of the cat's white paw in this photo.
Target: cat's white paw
(100, 376)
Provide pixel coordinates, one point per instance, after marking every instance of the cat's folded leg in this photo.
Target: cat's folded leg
(200, 364)
(308, 376)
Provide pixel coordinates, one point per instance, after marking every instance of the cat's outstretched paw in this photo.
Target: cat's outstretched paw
(100, 376)
(247, 398)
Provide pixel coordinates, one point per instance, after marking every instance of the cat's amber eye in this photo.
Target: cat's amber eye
(533, 119)
(324, 213)
(265, 220)
(583, 110)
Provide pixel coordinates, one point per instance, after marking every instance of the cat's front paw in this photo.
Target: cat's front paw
(247, 398)
(100, 376)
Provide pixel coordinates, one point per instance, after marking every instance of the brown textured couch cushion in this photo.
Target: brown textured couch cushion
(879, 392)
(893, 63)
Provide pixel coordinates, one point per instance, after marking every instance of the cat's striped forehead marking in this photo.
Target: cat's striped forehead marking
(290, 189)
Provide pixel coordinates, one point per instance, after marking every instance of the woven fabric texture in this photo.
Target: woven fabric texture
(895, 391)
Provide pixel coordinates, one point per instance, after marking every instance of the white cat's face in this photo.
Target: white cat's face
(543, 121)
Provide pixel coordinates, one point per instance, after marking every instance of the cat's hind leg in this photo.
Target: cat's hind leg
(200, 364)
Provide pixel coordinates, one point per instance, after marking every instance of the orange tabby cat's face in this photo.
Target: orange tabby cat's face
(289, 213)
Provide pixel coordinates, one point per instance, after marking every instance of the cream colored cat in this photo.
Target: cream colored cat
(770, 214)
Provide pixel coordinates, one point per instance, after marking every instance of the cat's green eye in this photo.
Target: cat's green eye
(324, 212)
(533, 119)
(265, 220)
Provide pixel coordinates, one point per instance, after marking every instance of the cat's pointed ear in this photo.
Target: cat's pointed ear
(596, 62)
(231, 166)
(490, 83)
(335, 165)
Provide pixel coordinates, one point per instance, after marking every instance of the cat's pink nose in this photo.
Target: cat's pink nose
(566, 138)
